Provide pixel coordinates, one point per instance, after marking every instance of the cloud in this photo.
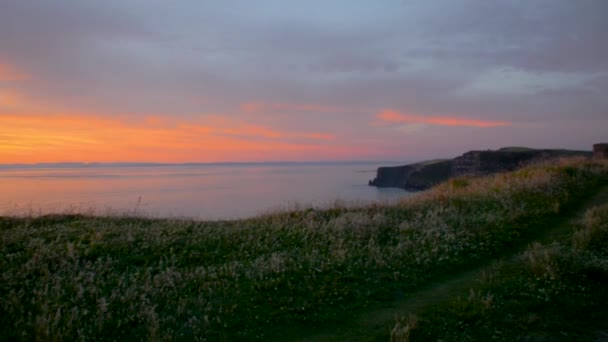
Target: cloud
(264, 107)
(10, 73)
(114, 54)
(310, 73)
(392, 116)
(317, 136)
(225, 125)
(412, 128)
(539, 36)
(354, 63)
(11, 100)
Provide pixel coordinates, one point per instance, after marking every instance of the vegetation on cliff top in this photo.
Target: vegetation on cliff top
(283, 274)
(552, 291)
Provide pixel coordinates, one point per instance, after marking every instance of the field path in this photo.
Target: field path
(376, 324)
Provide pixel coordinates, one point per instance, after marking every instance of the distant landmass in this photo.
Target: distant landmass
(423, 175)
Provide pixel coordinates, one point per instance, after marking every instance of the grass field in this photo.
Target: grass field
(553, 291)
(290, 275)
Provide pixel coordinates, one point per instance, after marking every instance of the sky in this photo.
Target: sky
(275, 80)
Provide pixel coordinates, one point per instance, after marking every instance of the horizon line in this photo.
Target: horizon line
(135, 164)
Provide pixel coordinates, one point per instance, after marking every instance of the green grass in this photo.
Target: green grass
(283, 274)
(553, 291)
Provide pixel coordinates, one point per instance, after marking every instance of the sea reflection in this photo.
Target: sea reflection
(196, 191)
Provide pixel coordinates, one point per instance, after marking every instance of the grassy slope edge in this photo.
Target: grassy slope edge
(550, 292)
(74, 277)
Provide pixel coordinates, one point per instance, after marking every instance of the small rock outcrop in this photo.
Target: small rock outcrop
(600, 151)
(421, 176)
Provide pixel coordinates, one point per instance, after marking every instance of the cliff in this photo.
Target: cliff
(600, 151)
(413, 177)
(421, 176)
(505, 159)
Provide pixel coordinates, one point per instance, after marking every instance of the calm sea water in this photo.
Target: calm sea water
(195, 191)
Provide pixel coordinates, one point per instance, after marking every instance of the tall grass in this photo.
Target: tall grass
(551, 292)
(75, 277)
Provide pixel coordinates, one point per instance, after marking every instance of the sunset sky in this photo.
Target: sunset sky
(212, 81)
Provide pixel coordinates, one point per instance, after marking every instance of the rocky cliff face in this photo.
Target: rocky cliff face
(421, 176)
(413, 177)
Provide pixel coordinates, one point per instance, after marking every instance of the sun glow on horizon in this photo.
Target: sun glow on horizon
(92, 138)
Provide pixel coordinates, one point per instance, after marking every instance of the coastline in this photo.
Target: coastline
(288, 274)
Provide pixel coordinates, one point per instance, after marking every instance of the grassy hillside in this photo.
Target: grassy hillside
(553, 291)
(286, 274)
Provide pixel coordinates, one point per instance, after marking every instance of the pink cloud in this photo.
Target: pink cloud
(395, 116)
(9, 73)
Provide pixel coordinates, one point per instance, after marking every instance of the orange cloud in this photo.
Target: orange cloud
(15, 101)
(258, 107)
(10, 99)
(394, 116)
(87, 138)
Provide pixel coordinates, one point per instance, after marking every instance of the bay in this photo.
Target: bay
(199, 191)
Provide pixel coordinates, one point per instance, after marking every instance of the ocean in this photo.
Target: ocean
(198, 191)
